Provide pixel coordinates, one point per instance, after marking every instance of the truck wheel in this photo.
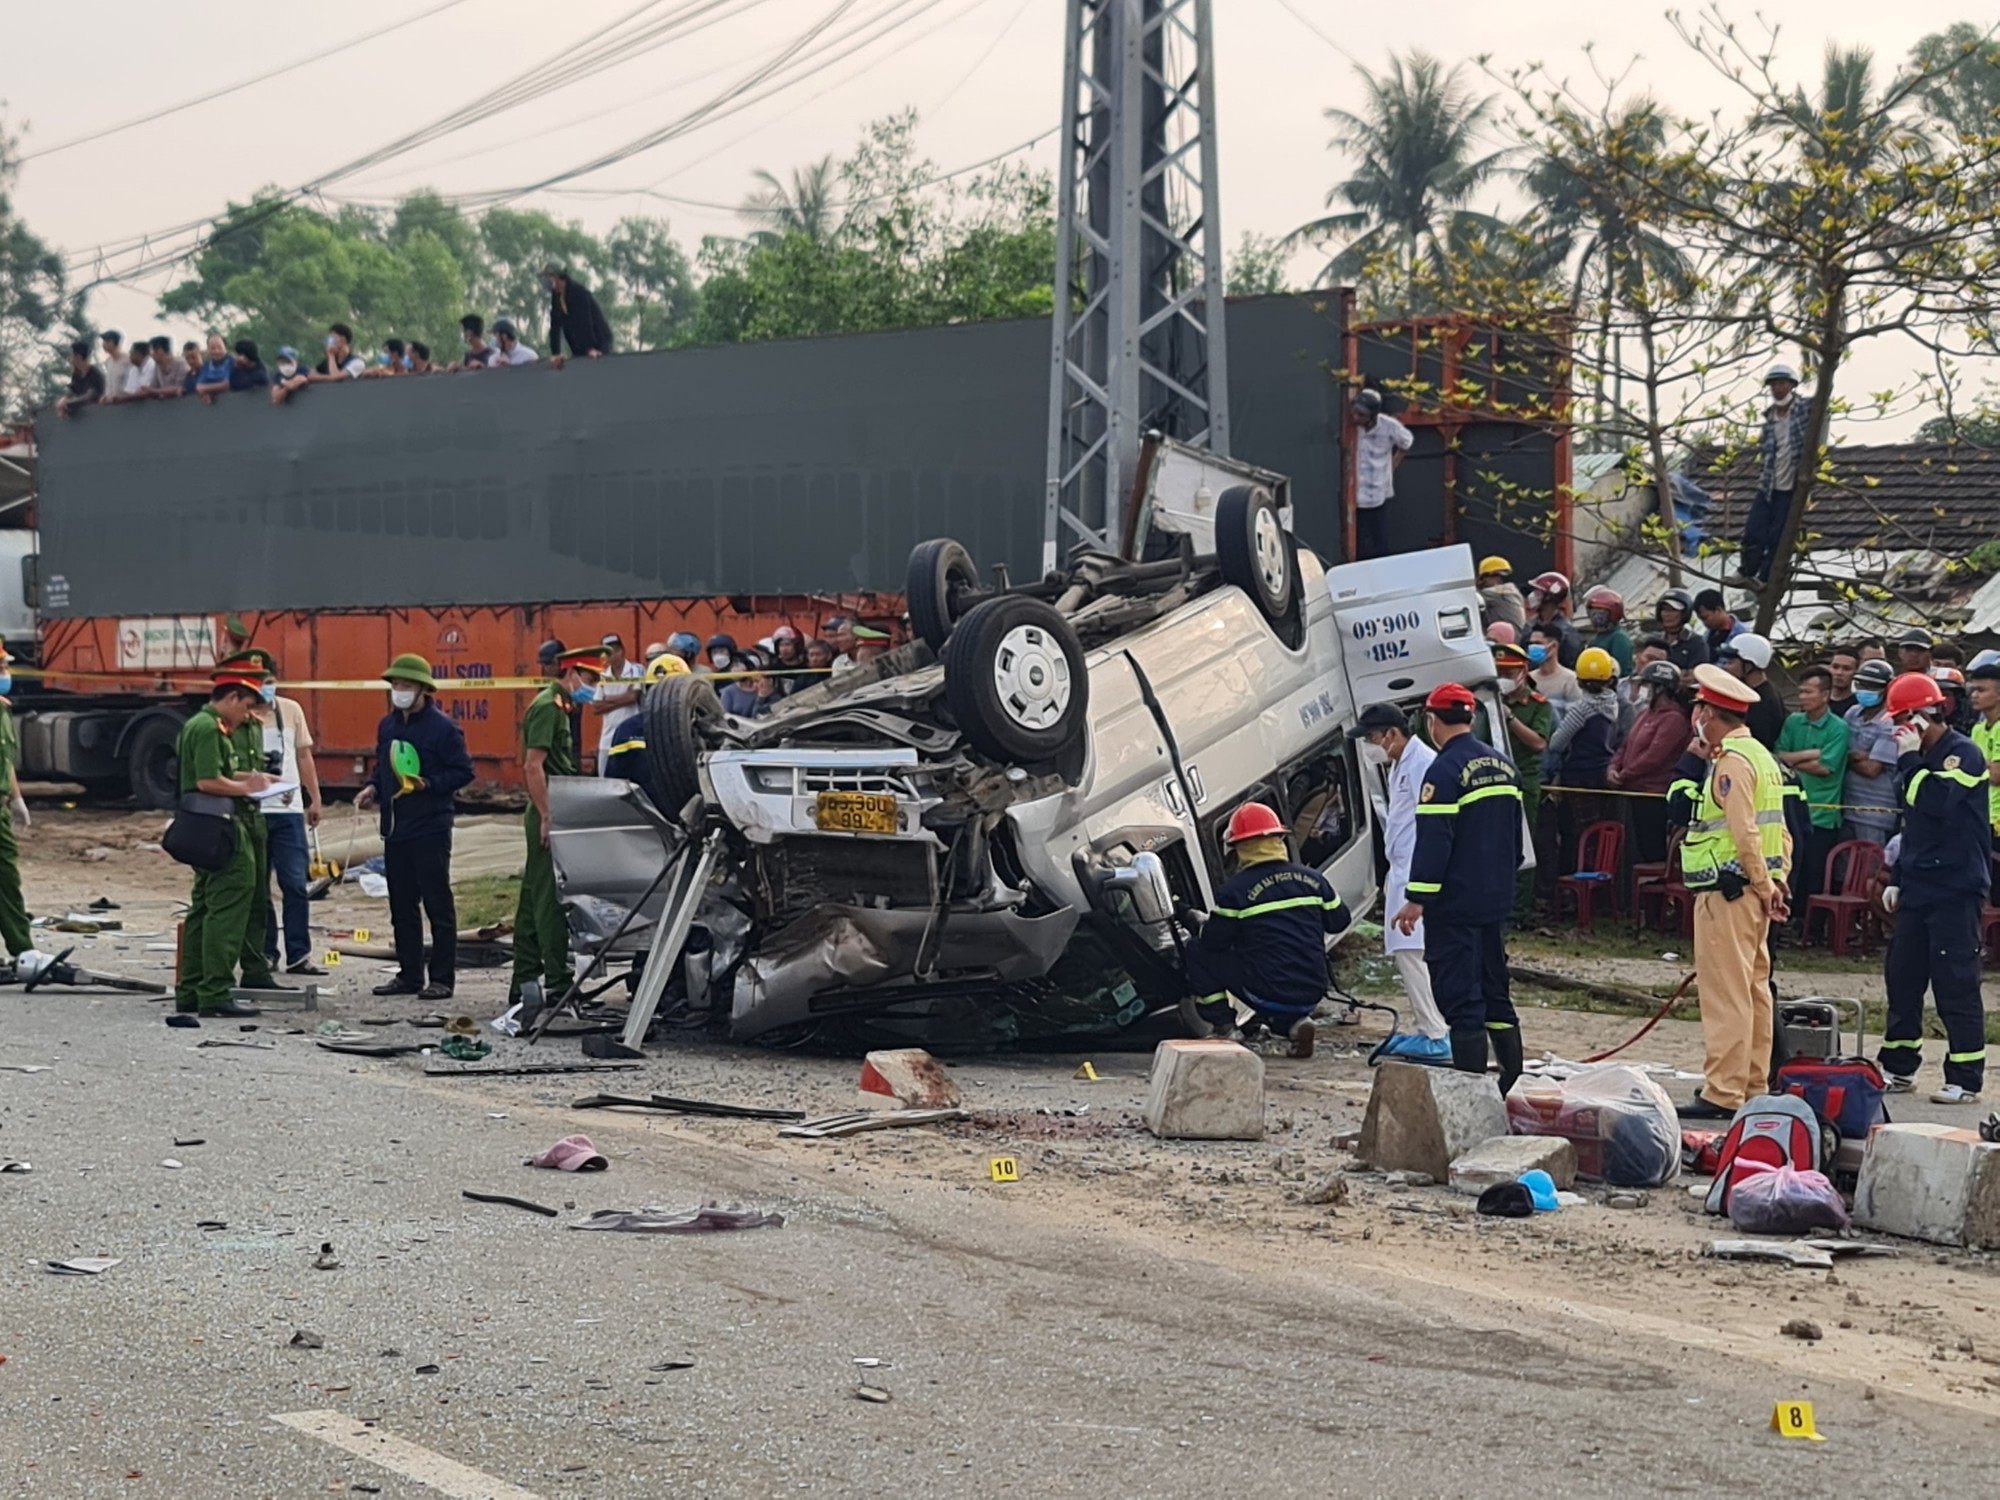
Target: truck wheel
(1255, 554)
(678, 710)
(939, 589)
(1015, 678)
(154, 765)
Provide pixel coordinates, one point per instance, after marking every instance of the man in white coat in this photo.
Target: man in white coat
(1386, 742)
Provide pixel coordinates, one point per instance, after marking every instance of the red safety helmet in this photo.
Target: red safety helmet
(1609, 600)
(1451, 695)
(1911, 691)
(1949, 677)
(1253, 820)
(1550, 585)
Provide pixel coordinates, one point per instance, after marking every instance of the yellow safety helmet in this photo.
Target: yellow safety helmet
(1498, 565)
(1596, 665)
(663, 666)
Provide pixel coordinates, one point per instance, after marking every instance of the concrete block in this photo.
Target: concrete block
(1205, 1091)
(908, 1076)
(1931, 1182)
(1505, 1157)
(1423, 1118)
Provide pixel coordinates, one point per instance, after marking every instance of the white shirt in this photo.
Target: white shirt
(520, 354)
(1399, 839)
(285, 737)
(116, 372)
(632, 671)
(1375, 450)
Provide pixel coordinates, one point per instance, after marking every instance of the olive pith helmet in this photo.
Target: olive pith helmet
(410, 667)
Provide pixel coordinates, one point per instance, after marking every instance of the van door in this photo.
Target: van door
(1408, 623)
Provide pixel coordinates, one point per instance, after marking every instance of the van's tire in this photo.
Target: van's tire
(1255, 554)
(1015, 679)
(153, 763)
(678, 709)
(940, 587)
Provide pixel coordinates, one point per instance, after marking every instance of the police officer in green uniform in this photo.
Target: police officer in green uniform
(548, 748)
(257, 663)
(212, 761)
(14, 930)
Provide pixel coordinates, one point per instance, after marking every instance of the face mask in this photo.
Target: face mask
(1867, 698)
(1374, 754)
(1535, 597)
(1642, 696)
(583, 692)
(268, 692)
(332, 340)
(1538, 654)
(403, 697)
(1600, 619)
(1513, 685)
(719, 660)
(6, 683)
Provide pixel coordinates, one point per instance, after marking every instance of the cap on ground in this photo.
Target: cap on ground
(1450, 695)
(573, 1153)
(1379, 716)
(1782, 372)
(1749, 645)
(1917, 636)
(1717, 687)
(584, 659)
(870, 633)
(409, 667)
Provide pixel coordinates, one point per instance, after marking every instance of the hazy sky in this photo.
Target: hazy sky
(984, 74)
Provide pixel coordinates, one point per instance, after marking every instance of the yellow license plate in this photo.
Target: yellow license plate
(855, 812)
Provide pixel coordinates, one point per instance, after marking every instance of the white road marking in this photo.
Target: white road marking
(446, 1476)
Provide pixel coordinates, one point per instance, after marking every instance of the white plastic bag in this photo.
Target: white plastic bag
(1621, 1122)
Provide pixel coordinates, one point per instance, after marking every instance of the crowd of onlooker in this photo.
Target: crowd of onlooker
(1601, 726)
(151, 370)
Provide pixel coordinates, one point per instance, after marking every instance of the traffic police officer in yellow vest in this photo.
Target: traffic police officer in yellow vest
(548, 748)
(1736, 859)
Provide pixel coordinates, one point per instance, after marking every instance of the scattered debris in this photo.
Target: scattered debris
(461, 1048)
(171, 1165)
(1802, 1328)
(854, 1124)
(1626, 1200)
(1087, 1071)
(1790, 1253)
(1410, 1179)
(84, 1265)
(26, 1067)
(184, 1020)
(708, 1218)
(305, 1338)
(209, 1226)
(193, 1140)
(665, 1366)
(1332, 1192)
(865, 1363)
(1843, 1249)
(573, 1153)
(910, 1076)
(325, 1261)
(9, 1165)
(533, 1208)
(427, 1369)
(370, 1049)
(671, 1105)
(433, 1068)
(873, 1393)
(228, 1041)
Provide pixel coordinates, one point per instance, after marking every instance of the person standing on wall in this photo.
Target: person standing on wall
(1386, 743)
(1461, 884)
(1736, 859)
(421, 766)
(287, 749)
(14, 929)
(1380, 445)
(548, 748)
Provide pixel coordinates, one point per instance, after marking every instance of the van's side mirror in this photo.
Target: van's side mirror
(1145, 881)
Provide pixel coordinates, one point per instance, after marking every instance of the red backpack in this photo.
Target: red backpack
(1772, 1130)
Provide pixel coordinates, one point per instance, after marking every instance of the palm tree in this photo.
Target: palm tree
(806, 207)
(1417, 145)
(1608, 220)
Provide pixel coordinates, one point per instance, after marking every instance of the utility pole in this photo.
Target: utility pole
(1138, 341)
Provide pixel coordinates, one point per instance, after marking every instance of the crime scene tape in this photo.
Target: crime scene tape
(195, 681)
(1613, 791)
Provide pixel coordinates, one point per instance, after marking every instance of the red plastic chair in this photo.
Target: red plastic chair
(1650, 873)
(1850, 868)
(1654, 897)
(1600, 852)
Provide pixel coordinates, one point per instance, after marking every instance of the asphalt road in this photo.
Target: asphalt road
(1025, 1354)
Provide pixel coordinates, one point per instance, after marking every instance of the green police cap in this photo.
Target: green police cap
(409, 667)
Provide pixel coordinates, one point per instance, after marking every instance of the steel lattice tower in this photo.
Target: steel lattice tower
(1138, 341)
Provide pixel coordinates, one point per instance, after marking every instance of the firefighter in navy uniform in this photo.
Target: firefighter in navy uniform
(627, 758)
(1264, 945)
(1462, 884)
(1937, 888)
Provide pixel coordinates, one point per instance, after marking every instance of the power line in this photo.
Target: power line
(241, 84)
(1309, 26)
(980, 61)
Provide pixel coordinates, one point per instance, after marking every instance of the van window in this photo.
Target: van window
(1215, 823)
(1322, 802)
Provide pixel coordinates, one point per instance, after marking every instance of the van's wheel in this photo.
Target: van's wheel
(678, 710)
(153, 763)
(1015, 678)
(942, 584)
(1256, 555)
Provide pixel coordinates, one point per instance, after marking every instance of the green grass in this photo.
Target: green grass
(485, 899)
